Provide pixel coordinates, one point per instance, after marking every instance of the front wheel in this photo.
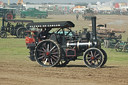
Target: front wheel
(21, 32)
(93, 58)
(3, 34)
(105, 57)
(48, 53)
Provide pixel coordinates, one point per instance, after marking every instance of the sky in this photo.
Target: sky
(61, 1)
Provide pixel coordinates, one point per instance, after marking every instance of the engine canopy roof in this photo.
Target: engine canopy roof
(59, 24)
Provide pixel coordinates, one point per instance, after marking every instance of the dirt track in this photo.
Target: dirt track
(29, 73)
(26, 72)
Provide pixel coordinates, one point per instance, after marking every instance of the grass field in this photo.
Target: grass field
(15, 49)
(14, 61)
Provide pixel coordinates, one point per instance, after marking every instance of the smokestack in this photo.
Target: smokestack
(94, 28)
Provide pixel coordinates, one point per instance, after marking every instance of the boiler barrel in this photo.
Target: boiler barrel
(79, 44)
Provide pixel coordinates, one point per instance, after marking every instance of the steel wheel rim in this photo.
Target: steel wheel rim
(105, 57)
(93, 58)
(48, 53)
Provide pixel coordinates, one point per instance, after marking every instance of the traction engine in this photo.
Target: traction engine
(60, 47)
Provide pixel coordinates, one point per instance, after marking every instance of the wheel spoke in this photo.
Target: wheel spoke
(96, 55)
(90, 60)
(88, 57)
(41, 57)
(55, 53)
(40, 51)
(53, 58)
(48, 47)
(52, 48)
(44, 49)
(91, 53)
(51, 61)
(98, 58)
(42, 54)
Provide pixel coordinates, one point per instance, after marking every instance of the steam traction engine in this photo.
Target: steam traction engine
(60, 47)
(18, 29)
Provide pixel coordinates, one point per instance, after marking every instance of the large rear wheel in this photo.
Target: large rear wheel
(20, 33)
(48, 53)
(93, 58)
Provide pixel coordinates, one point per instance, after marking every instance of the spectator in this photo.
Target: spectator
(77, 16)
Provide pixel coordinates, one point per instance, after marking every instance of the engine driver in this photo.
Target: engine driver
(43, 34)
